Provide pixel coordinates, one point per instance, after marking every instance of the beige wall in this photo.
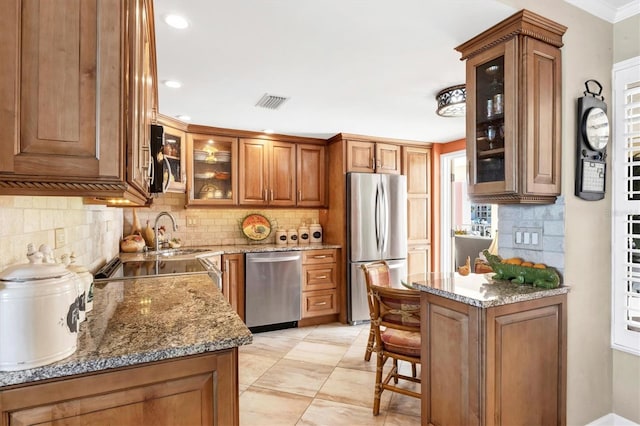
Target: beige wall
(587, 54)
(214, 225)
(91, 232)
(626, 367)
(626, 39)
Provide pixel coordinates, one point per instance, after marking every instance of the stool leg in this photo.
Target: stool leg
(378, 388)
(395, 371)
(367, 353)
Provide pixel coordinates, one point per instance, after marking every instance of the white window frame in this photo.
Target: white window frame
(621, 337)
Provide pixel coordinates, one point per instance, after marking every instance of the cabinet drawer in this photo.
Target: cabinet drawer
(316, 303)
(319, 277)
(319, 256)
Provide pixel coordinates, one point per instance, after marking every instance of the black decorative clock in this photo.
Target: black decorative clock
(592, 140)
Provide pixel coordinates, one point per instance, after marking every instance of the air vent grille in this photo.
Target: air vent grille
(271, 101)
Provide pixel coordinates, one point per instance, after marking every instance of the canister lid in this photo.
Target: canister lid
(41, 266)
(33, 271)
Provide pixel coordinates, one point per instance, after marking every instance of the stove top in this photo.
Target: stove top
(149, 268)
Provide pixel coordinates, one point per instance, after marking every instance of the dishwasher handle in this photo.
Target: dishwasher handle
(273, 259)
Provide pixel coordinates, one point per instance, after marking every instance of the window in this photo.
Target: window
(626, 207)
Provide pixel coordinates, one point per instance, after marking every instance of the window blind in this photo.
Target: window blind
(626, 207)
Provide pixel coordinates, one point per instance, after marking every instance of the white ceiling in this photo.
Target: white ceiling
(370, 67)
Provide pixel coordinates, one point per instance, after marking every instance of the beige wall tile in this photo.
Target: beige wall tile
(27, 220)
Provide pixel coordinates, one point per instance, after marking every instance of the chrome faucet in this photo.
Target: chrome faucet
(155, 227)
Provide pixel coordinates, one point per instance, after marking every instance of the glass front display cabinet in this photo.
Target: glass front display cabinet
(514, 111)
(212, 174)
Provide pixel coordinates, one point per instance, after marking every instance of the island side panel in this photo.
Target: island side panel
(526, 362)
(451, 392)
(198, 389)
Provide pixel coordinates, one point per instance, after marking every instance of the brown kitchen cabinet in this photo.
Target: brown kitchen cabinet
(212, 170)
(71, 121)
(514, 107)
(233, 281)
(311, 165)
(373, 157)
(502, 365)
(267, 173)
(319, 282)
(194, 390)
(416, 166)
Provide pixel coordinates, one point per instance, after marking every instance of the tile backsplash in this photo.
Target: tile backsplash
(548, 217)
(213, 226)
(92, 232)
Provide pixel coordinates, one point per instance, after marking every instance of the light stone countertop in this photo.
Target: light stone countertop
(480, 290)
(143, 320)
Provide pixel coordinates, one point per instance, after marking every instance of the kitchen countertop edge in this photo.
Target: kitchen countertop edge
(497, 292)
(103, 346)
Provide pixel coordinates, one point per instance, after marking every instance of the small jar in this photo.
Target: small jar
(303, 234)
(315, 233)
(281, 236)
(292, 236)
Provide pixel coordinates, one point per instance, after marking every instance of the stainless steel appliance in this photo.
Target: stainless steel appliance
(376, 230)
(272, 290)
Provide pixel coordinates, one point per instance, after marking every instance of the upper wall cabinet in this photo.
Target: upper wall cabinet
(267, 173)
(513, 115)
(77, 92)
(212, 174)
(373, 157)
(311, 175)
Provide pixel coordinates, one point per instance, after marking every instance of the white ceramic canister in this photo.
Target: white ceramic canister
(39, 317)
(315, 233)
(85, 304)
(292, 236)
(281, 236)
(303, 234)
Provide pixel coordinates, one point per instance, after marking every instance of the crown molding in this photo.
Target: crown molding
(605, 10)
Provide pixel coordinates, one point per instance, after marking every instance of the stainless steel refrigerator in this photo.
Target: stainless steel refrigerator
(376, 230)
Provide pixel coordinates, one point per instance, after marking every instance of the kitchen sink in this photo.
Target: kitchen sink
(177, 252)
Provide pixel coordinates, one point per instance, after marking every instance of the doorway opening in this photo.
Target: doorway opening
(467, 228)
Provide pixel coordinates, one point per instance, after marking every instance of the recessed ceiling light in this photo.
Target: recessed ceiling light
(268, 131)
(184, 117)
(174, 84)
(176, 21)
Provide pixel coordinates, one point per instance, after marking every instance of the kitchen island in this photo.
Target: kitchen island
(493, 352)
(152, 351)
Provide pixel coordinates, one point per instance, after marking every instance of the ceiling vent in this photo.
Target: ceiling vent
(271, 101)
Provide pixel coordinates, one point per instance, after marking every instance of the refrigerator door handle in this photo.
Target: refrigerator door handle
(377, 217)
(385, 219)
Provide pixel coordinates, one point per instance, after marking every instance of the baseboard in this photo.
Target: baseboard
(612, 420)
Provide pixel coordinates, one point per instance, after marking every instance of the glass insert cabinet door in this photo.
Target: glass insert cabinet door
(213, 170)
(490, 120)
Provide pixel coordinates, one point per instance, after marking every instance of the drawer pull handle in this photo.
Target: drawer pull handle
(320, 303)
(320, 257)
(321, 277)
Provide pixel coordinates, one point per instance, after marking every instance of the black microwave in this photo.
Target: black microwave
(158, 164)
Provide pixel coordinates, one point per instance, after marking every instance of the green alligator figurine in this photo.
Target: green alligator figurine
(545, 278)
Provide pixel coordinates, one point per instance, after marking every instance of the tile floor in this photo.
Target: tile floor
(316, 376)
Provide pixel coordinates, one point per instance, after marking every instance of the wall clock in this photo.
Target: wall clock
(592, 139)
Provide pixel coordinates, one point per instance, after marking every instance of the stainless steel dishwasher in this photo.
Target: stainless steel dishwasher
(272, 290)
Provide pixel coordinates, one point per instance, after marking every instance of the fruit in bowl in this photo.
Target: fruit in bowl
(175, 243)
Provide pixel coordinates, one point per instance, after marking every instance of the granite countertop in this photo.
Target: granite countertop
(144, 320)
(480, 290)
(236, 249)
